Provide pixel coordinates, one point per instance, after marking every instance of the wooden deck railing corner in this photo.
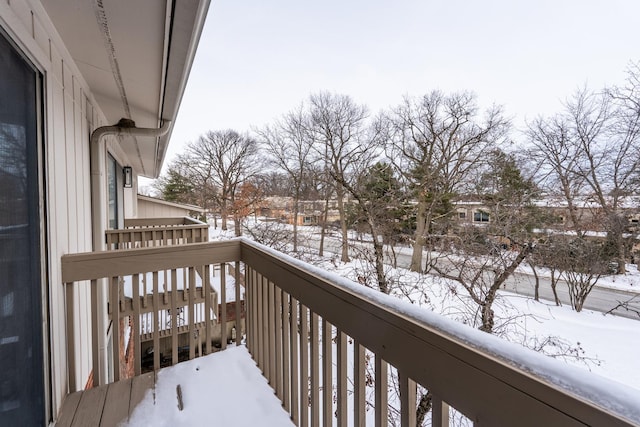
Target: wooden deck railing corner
(328, 350)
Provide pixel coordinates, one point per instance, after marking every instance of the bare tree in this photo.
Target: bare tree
(592, 150)
(184, 183)
(372, 201)
(436, 141)
(550, 137)
(582, 263)
(338, 127)
(288, 143)
(227, 159)
(543, 256)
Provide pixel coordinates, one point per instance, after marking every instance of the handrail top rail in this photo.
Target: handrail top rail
(162, 221)
(139, 229)
(101, 264)
(551, 385)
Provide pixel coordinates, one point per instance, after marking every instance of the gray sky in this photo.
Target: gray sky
(259, 59)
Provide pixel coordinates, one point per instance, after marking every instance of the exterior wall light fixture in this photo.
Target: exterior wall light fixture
(127, 171)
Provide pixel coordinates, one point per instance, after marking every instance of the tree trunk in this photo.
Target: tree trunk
(418, 244)
(622, 268)
(490, 297)
(424, 406)
(379, 255)
(237, 226)
(554, 283)
(536, 289)
(223, 216)
(394, 256)
(323, 228)
(487, 314)
(295, 223)
(343, 226)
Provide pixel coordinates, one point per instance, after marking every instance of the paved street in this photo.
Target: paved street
(600, 299)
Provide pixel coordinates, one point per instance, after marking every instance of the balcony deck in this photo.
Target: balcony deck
(323, 343)
(107, 405)
(237, 381)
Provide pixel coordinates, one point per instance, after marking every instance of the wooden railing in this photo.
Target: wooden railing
(337, 352)
(146, 232)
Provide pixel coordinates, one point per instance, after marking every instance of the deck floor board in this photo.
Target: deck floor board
(69, 408)
(107, 405)
(116, 407)
(139, 388)
(90, 408)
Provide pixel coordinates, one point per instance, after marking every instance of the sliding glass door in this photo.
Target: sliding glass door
(22, 396)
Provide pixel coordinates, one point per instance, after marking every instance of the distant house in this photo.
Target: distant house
(152, 207)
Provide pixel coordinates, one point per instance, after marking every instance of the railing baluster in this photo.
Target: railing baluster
(185, 285)
(341, 404)
(248, 301)
(277, 308)
(359, 390)
(165, 297)
(272, 334)
(174, 316)
(71, 336)
(115, 325)
(295, 386)
(95, 344)
(238, 305)
(192, 311)
(327, 373)
(136, 324)
(207, 307)
(286, 351)
(222, 307)
(263, 344)
(314, 339)
(439, 412)
(144, 290)
(407, 400)
(156, 321)
(381, 391)
(251, 310)
(304, 366)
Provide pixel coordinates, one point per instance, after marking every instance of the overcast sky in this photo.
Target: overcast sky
(259, 59)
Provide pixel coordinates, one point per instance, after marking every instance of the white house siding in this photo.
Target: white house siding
(70, 115)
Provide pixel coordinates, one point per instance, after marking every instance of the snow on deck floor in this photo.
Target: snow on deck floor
(222, 389)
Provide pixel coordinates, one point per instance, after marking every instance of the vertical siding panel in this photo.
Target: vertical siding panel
(72, 219)
(80, 177)
(57, 197)
(23, 11)
(86, 173)
(41, 36)
(57, 314)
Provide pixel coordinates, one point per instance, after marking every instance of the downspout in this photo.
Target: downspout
(125, 127)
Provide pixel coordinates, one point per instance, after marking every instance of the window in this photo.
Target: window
(115, 193)
(480, 216)
(462, 215)
(112, 192)
(22, 381)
